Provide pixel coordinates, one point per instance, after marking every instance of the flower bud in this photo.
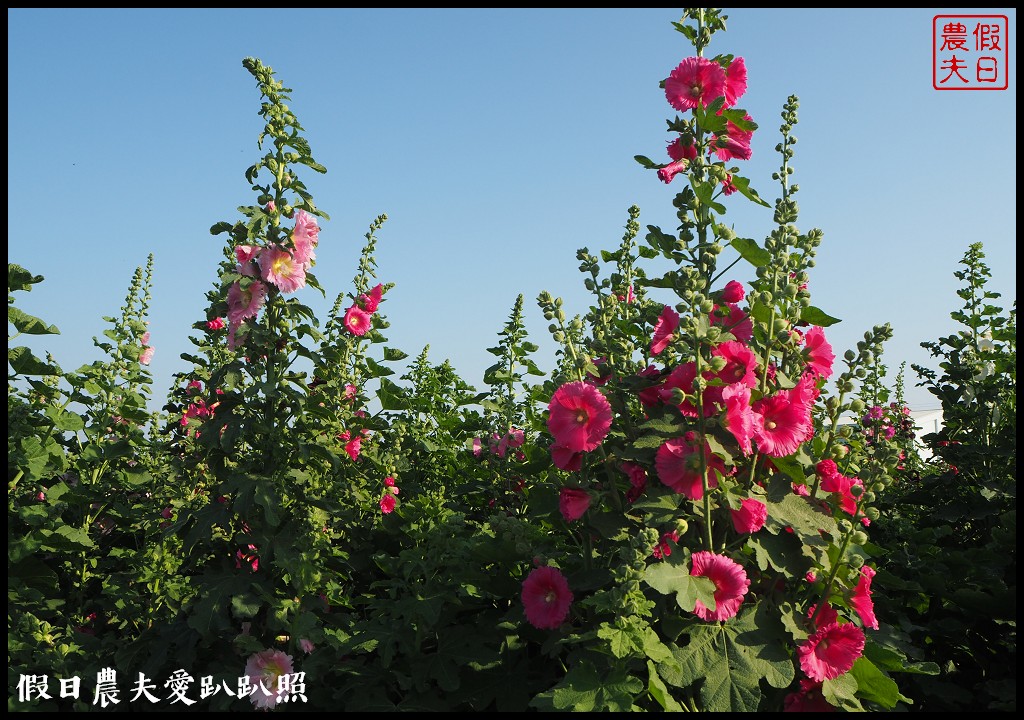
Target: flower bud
(859, 538)
(849, 355)
(857, 406)
(718, 363)
(682, 526)
(856, 490)
(872, 513)
(869, 497)
(857, 562)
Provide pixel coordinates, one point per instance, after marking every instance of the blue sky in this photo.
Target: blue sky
(498, 142)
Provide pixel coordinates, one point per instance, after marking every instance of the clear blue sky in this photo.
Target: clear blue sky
(498, 142)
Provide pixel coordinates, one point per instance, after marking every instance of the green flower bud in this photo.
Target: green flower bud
(872, 513)
(859, 538)
(869, 497)
(857, 562)
(857, 405)
(849, 355)
(678, 396)
(878, 487)
(682, 526)
(714, 332)
(706, 305)
(717, 363)
(856, 490)
(845, 525)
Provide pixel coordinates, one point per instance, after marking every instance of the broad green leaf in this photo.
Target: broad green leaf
(18, 278)
(667, 578)
(23, 362)
(647, 162)
(743, 185)
(876, 686)
(659, 691)
(393, 354)
(750, 251)
(584, 690)
(814, 316)
(29, 324)
(842, 693)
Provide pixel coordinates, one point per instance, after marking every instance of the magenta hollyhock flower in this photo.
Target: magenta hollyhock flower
(818, 352)
(663, 550)
(682, 377)
(780, 425)
(861, 600)
(730, 581)
(727, 187)
(735, 81)
(695, 81)
(357, 321)
(573, 503)
(730, 318)
(264, 670)
(245, 303)
(827, 616)
(353, 446)
(279, 266)
(750, 517)
(678, 150)
(147, 355)
(740, 363)
(546, 598)
(733, 292)
(739, 416)
(677, 463)
(371, 300)
(637, 480)
(831, 651)
(807, 699)
(579, 417)
(664, 330)
(840, 484)
(650, 396)
(215, 324)
(566, 459)
(477, 447)
(667, 173)
(801, 489)
(387, 503)
(737, 142)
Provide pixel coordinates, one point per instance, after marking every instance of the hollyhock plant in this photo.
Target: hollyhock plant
(678, 465)
(750, 517)
(664, 330)
(861, 600)
(279, 267)
(357, 321)
(735, 81)
(546, 598)
(573, 503)
(818, 352)
(730, 581)
(579, 417)
(831, 651)
(695, 81)
(265, 669)
(680, 150)
(735, 145)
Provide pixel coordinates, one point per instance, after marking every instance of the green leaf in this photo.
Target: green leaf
(659, 691)
(647, 162)
(23, 362)
(377, 370)
(245, 605)
(269, 503)
(814, 316)
(667, 578)
(393, 354)
(18, 278)
(392, 396)
(584, 690)
(29, 324)
(750, 251)
(743, 185)
(842, 693)
(76, 537)
(875, 686)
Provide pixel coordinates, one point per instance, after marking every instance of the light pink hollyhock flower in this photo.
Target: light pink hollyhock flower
(735, 81)
(840, 484)
(546, 598)
(667, 173)
(566, 459)
(861, 600)
(818, 352)
(677, 463)
(750, 517)
(737, 142)
(739, 416)
(147, 355)
(664, 330)
(682, 377)
(264, 670)
(696, 81)
(281, 268)
(304, 238)
(730, 581)
(808, 699)
(270, 207)
(245, 303)
(579, 417)
(247, 256)
(477, 447)
(371, 300)
(677, 150)
(780, 425)
(144, 340)
(733, 292)
(306, 646)
(573, 503)
(730, 318)
(831, 651)
(740, 363)
(357, 321)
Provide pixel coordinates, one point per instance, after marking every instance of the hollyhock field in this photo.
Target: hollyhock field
(705, 506)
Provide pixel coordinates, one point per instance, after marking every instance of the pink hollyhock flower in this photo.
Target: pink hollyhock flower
(741, 363)
(357, 321)
(281, 268)
(265, 669)
(730, 581)
(677, 150)
(840, 484)
(727, 187)
(818, 352)
(353, 446)
(739, 416)
(245, 303)
(827, 616)
(667, 173)
(664, 330)
(579, 417)
(733, 292)
(304, 238)
(750, 517)
(637, 480)
(696, 81)
(387, 503)
(566, 459)
(807, 699)
(247, 256)
(144, 340)
(735, 81)
(477, 447)
(677, 463)
(861, 600)
(780, 425)
(249, 557)
(801, 489)
(737, 142)
(650, 396)
(546, 598)
(810, 576)
(731, 319)
(682, 377)
(147, 355)
(573, 503)
(371, 301)
(831, 651)
(215, 324)
(306, 646)
(350, 391)
(663, 550)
